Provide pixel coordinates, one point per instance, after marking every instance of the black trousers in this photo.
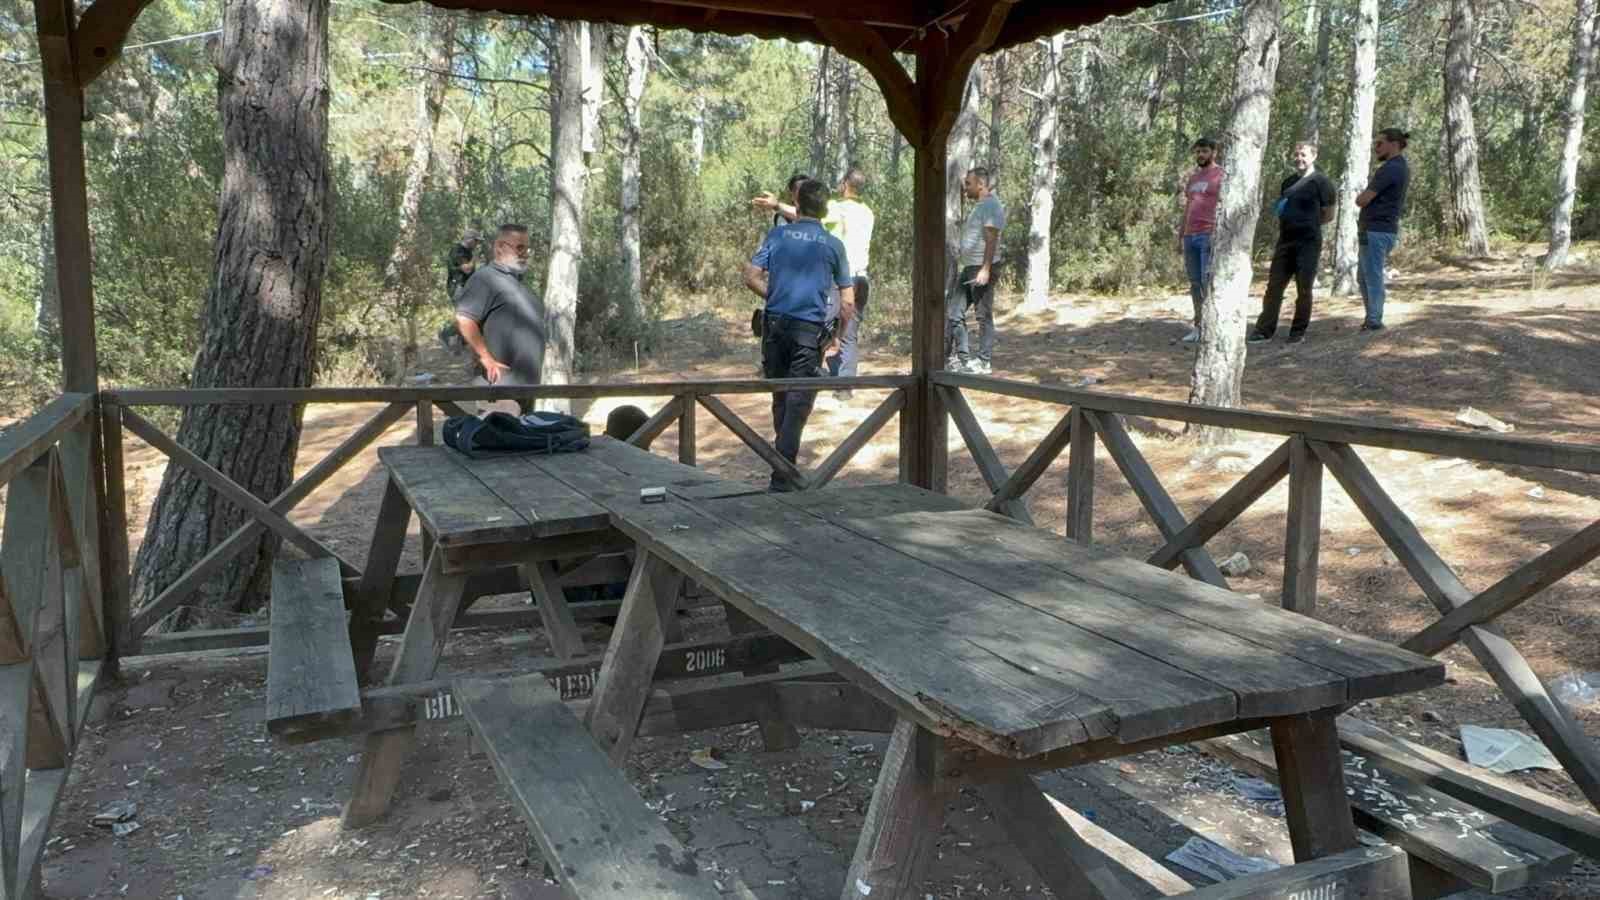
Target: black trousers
(1297, 259)
(790, 348)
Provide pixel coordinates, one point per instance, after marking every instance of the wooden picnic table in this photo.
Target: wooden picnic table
(999, 648)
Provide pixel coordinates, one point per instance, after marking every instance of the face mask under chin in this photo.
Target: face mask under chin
(518, 268)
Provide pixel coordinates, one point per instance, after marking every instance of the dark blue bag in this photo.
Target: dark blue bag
(500, 434)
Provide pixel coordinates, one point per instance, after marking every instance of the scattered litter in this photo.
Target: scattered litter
(706, 758)
(1352, 551)
(112, 813)
(1536, 492)
(679, 528)
(1477, 418)
(861, 748)
(123, 829)
(1577, 689)
(805, 805)
(232, 851)
(422, 378)
(1236, 565)
(1256, 789)
(1087, 381)
(1432, 717)
(1503, 750)
(258, 873)
(1216, 861)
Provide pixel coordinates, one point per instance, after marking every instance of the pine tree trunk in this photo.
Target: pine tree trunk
(1357, 142)
(568, 184)
(638, 59)
(1460, 71)
(960, 155)
(822, 114)
(47, 311)
(845, 142)
(1312, 130)
(1585, 30)
(406, 277)
(994, 154)
(897, 145)
(1041, 205)
(260, 321)
(1219, 366)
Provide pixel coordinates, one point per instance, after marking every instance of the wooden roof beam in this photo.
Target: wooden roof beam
(868, 48)
(941, 95)
(890, 13)
(102, 30)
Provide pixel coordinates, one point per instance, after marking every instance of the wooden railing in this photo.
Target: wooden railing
(54, 637)
(684, 398)
(1310, 447)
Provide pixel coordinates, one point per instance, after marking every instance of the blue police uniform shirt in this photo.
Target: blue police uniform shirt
(803, 263)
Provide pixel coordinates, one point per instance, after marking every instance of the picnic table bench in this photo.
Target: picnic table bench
(988, 648)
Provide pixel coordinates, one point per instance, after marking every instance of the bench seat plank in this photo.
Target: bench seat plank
(1482, 850)
(1365, 873)
(311, 671)
(456, 507)
(591, 825)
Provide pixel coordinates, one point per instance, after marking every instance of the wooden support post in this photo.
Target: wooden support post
(115, 575)
(1080, 479)
(377, 579)
(1311, 777)
(1303, 536)
(559, 627)
(923, 427)
(1066, 863)
(686, 429)
(425, 439)
(630, 662)
(903, 820)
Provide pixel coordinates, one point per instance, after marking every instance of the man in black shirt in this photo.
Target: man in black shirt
(458, 267)
(1378, 228)
(1305, 203)
(500, 319)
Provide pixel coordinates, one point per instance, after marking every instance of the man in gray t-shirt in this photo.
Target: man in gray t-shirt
(978, 256)
(500, 319)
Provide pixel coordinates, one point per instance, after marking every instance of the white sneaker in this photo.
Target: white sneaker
(954, 364)
(979, 367)
(1192, 336)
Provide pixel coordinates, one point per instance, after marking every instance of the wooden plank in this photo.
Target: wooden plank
(1511, 591)
(1303, 537)
(311, 674)
(1221, 513)
(988, 462)
(81, 482)
(858, 438)
(624, 683)
(657, 424)
(1565, 823)
(31, 557)
(482, 558)
(768, 453)
(40, 797)
(450, 408)
(1066, 863)
(688, 434)
(559, 627)
(1480, 849)
(115, 556)
(425, 439)
(591, 825)
(1463, 445)
(1261, 682)
(891, 656)
(903, 820)
(372, 592)
(13, 643)
(1510, 671)
(16, 687)
(280, 396)
(457, 507)
(1155, 499)
(1365, 873)
(1311, 778)
(1080, 479)
(229, 489)
(190, 581)
(1040, 459)
(550, 508)
(1371, 668)
(31, 438)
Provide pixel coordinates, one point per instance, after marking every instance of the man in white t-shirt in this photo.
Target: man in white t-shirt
(978, 257)
(851, 221)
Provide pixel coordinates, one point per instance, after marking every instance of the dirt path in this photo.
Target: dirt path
(225, 813)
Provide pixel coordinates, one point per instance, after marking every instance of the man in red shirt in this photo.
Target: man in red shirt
(1200, 190)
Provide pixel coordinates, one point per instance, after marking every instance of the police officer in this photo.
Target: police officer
(797, 267)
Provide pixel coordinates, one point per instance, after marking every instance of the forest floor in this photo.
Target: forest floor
(227, 813)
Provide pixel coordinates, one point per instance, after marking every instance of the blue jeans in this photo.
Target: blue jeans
(1197, 262)
(1375, 247)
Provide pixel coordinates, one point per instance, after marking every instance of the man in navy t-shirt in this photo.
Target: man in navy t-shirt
(1378, 228)
(796, 269)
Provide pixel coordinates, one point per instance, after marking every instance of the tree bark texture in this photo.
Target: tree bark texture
(1219, 365)
(568, 184)
(1041, 205)
(844, 100)
(47, 312)
(994, 154)
(406, 277)
(961, 153)
(260, 320)
(636, 52)
(1357, 142)
(1584, 33)
(822, 114)
(1461, 133)
(1312, 130)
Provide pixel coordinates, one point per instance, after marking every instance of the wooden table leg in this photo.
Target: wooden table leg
(903, 821)
(377, 578)
(559, 626)
(1311, 777)
(438, 598)
(623, 686)
(1064, 861)
(777, 733)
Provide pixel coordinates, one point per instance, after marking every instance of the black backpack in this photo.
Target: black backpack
(498, 434)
